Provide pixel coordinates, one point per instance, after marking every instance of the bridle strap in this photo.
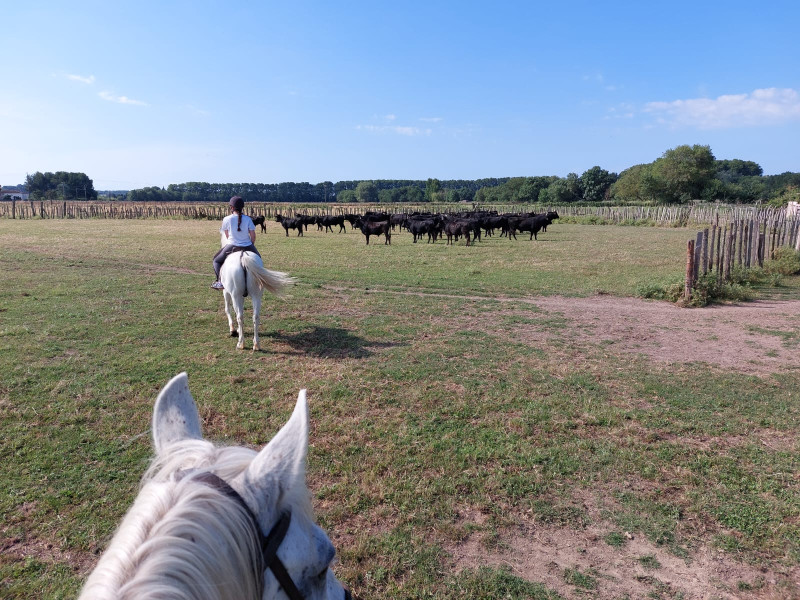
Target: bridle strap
(269, 543)
(269, 548)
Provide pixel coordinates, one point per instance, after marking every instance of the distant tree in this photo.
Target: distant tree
(682, 173)
(60, 184)
(562, 191)
(629, 186)
(531, 188)
(596, 184)
(790, 193)
(779, 188)
(412, 193)
(453, 196)
(346, 196)
(432, 188)
(367, 191)
(731, 171)
(749, 189)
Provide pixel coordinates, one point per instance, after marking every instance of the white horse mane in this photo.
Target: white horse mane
(184, 539)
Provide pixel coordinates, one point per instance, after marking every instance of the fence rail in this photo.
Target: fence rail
(672, 216)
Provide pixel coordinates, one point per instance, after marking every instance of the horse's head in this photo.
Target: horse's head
(216, 522)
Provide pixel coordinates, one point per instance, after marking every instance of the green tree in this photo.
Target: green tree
(562, 191)
(629, 186)
(596, 184)
(60, 184)
(682, 173)
(346, 196)
(367, 191)
(731, 171)
(432, 188)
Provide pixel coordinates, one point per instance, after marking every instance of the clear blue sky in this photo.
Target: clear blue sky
(151, 93)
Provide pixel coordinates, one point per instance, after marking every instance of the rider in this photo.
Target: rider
(240, 232)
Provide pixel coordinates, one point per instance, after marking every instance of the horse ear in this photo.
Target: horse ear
(281, 465)
(175, 416)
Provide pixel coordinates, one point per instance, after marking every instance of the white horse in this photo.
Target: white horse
(218, 523)
(242, 274)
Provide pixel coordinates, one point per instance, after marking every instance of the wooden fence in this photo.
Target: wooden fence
(743, 242)
(672, 216)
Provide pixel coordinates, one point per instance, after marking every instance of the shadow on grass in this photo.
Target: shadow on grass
(329, 342)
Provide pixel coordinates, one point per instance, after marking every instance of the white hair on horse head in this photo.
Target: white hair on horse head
(198, 528)
(243, 274)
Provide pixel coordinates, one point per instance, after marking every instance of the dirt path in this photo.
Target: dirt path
(759, 337)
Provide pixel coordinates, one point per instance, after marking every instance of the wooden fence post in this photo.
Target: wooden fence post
(698, 248)
(705, 250)
(747, 243)
(797, 241)
(729, 246)
(712, 262)
(740, 244)
(687, 290)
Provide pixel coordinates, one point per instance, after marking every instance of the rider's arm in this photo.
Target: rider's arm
(252, 233)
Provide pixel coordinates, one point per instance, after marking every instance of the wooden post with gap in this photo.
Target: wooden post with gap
(687, 290)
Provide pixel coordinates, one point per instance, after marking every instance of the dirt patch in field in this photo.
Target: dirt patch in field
(19, 549)
(577, 563)
(581, 562)
(757, 338)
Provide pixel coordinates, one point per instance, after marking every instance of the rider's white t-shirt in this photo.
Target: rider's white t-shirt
(237, 238)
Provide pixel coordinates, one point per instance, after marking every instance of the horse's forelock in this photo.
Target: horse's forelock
(226, 461)
(185, 536)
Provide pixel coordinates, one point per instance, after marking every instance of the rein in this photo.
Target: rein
(269, 543)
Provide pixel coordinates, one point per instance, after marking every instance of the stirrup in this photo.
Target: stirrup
(217, 286)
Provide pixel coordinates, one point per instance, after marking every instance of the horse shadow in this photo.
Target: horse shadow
(329, 342)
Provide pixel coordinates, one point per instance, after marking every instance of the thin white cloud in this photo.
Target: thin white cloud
(621, 111)
(197, 111)
(761, 107)
(87, 80)
(120, 99)
(390, 117)
(394, 129)
(431, 119)
(600, 79)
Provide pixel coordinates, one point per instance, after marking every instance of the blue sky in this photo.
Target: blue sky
(151, 93)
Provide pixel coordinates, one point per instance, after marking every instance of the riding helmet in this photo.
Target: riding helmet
(237, 203)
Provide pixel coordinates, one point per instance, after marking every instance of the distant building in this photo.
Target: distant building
(13, 194)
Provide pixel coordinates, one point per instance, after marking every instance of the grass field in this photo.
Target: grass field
(452, 420)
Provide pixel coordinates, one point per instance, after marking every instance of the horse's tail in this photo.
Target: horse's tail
(272, 281)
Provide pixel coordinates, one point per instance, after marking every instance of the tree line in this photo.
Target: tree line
(681, 175)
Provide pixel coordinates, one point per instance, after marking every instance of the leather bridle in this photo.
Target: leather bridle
(269, 543)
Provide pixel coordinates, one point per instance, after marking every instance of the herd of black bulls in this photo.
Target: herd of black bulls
(470, 225)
